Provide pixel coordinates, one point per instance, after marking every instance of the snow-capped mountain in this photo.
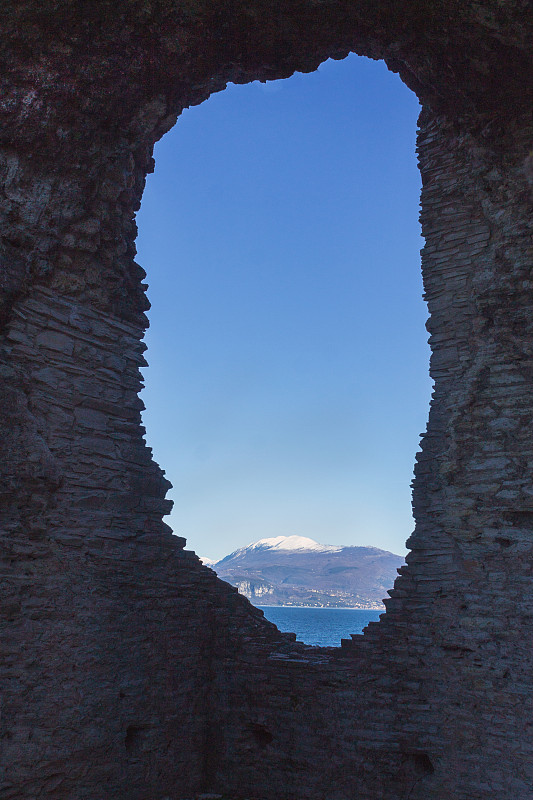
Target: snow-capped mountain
(300, 543)
(296, 570)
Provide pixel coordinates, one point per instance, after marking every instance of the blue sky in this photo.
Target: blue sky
(288, 380)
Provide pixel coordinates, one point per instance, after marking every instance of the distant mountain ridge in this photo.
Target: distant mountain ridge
(296, 570)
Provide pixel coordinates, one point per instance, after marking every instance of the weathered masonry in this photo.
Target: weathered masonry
(127, 670)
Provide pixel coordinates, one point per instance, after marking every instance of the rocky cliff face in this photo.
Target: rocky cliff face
(127, 669)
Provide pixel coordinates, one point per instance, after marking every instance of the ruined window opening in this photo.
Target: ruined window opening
(215, 409)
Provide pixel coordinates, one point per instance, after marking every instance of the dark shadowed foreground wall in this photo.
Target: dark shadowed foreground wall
(127, 669)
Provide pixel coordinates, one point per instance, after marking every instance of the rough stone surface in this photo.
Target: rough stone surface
(128, 670)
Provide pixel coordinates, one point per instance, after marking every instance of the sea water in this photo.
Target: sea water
(324, 627)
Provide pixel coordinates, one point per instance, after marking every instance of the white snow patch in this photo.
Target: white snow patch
(299, 543)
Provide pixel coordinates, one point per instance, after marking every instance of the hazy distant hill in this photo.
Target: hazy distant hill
(295, 570)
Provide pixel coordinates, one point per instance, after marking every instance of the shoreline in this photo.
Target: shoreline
(328, 608)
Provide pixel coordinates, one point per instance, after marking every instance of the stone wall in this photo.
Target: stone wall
(128, 670)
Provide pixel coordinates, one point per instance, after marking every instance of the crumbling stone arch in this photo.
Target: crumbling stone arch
(128, 669)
